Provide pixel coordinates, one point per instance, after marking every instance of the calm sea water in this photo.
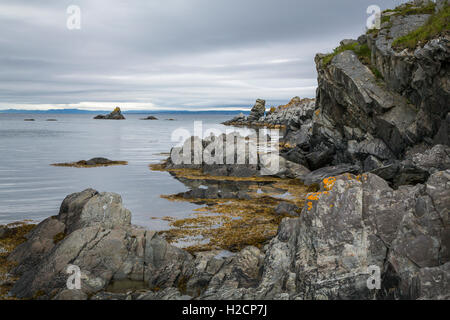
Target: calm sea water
(32, 189)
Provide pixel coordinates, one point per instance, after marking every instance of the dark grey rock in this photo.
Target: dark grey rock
(318, 175)
(321, 158)
(287, 208)
(116, 114)
(371, 163)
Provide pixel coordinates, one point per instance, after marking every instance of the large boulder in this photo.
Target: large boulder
(92, 232)
(89, 208)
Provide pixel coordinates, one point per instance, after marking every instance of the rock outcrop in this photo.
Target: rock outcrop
(116, 114)
(233, 155)
(257, 111)
(352, 225)
(357, 222)
(93, 232)
(378, 110)
(375, 105)
(291, 115)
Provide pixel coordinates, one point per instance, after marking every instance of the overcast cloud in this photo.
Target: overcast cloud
(168, 54)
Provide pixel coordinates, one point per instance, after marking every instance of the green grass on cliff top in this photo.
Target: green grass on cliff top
(403, 10)
(358, 49)
(409, 9)
(437, 24)
(362, 52)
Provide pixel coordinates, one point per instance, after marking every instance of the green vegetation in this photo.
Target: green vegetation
(410, 9)
(437, 24)
(373, 31)
(327, 59)
(385, 19)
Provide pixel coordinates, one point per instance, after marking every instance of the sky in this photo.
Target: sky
(168, 54)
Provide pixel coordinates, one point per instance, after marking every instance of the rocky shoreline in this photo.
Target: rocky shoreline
(374, 148)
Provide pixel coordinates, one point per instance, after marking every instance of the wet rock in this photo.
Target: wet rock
(116, 114)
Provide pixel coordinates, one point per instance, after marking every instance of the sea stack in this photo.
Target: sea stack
(115, 115)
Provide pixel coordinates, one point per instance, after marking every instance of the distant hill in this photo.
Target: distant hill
(79, 111)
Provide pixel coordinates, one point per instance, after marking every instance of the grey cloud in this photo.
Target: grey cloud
(169, 53)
